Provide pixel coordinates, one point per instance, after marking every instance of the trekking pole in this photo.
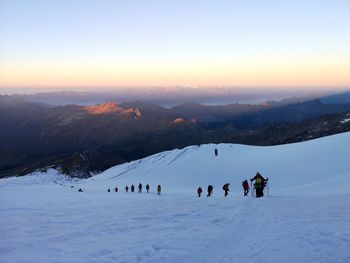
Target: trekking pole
(251, 189)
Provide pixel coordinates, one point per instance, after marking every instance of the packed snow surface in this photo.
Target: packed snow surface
(305, 216)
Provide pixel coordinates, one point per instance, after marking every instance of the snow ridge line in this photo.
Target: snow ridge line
(128, 169)
(183, 151)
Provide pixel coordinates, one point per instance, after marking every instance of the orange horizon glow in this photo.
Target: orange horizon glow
(244, 72)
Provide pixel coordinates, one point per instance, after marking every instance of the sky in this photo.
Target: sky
(106, 44)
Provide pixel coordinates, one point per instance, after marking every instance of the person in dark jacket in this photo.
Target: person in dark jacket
(108, 190)
(116, 189)
(126, 188)
(245, 186)
(140, 188)
(226, 189)
(210, 190)
(199, 191)
(147, 188)
(159, 189)
(132, 188)
(259, 185)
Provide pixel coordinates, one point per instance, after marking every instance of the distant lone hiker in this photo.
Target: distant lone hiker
(245, 186)
(126, 188)
(216, 152)
(199, 191)
(210, 190)
(226, 189)
(159, 189)
(259, 185)
(147, 188)
(140, 188)
(132, 188)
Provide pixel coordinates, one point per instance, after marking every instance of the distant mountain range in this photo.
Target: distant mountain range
(174, 96)
(81, 140)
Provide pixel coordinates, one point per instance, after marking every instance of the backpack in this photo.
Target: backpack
(258, 181)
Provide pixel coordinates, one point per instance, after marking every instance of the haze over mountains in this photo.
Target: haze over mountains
(171, 96)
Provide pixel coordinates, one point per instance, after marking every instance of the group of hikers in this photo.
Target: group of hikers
(132, 189)
(259, 185)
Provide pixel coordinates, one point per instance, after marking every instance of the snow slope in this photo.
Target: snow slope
(304, 219)
(285, 166)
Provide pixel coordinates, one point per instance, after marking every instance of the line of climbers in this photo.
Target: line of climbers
(132, 189)
(259, 185)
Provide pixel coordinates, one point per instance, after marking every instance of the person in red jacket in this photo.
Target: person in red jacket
(245, 186)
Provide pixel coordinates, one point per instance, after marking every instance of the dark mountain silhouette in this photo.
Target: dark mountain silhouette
(84, 139)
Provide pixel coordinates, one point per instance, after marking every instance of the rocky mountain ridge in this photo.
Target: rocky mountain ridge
(82, 140)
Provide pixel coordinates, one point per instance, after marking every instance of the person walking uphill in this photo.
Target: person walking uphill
(140, 188)
(226, 189)
(245, 186)
(159, 189)
(259, 185)
(210, 190)
(132, 188)
(199, 191)
(147, 188)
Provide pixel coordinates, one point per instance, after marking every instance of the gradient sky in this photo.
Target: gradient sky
(167, 43)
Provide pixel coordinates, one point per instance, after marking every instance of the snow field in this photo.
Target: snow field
(57, 224)
(304, 219)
